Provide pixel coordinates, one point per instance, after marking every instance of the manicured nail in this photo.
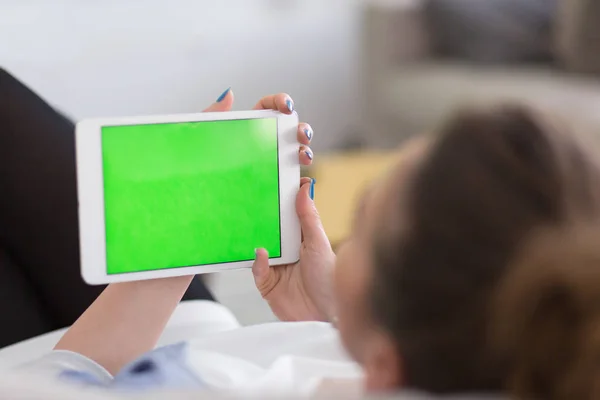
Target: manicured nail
(309, 154)
(308, 133)
(223, 95)
(290, 105)
(255, 251)
(311, 192)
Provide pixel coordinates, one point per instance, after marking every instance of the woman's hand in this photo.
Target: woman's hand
(300, 291)
(281, 102)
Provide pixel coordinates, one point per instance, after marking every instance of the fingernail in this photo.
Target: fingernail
(290, 105)
(308, 133)
(309, 154)
(255, 251)
(223, 95)
(311, 192)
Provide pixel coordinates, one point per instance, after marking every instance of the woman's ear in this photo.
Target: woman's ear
(382, 364)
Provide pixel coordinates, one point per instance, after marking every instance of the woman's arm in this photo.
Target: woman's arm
(125, 321)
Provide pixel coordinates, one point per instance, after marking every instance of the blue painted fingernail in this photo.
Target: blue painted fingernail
(311, 192)
(223, 95)
(308, 133)
(290, 105)
(309, 154)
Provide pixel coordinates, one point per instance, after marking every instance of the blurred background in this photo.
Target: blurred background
(367, 74)
(128, 57)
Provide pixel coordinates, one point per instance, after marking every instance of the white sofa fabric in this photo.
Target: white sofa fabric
(408, 90)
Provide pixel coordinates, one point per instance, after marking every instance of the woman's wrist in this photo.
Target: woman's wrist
(125, 321)
(326, 301)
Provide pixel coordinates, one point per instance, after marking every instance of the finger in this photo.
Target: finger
(312, 228)
(223, 103)
(304, 180)
(260, 268)
(306, 155)
(305, 133)
(279, 102)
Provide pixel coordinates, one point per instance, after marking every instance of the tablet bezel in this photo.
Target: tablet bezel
(90, 190)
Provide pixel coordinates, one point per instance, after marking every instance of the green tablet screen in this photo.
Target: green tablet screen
(190, 193)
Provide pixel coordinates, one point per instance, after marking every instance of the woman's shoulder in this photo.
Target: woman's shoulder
(273, 358)
(243, 357)
(264, 342)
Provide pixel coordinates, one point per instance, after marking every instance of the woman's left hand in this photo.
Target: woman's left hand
(281, 102)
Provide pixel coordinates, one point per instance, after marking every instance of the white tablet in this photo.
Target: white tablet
(174, 195)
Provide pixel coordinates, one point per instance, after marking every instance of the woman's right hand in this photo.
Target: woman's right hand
(301, 291)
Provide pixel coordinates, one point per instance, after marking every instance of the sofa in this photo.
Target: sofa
(407, 89)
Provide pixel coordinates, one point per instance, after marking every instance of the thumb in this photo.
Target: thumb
(261, 272)
(312, 228)
(223, 103)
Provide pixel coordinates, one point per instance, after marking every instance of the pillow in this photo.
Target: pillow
(492, 31)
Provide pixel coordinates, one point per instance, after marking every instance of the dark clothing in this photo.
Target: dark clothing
(40, 283)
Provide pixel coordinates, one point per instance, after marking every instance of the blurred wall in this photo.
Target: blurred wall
(119, 57)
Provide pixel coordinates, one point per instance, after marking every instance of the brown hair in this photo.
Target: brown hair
(487, 184)
(546, 324)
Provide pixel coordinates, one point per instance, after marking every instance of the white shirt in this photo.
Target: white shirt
(278, 358)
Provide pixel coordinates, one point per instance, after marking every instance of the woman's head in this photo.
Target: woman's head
(435, 240)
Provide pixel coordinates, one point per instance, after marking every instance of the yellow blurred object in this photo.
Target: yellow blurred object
(340, 182)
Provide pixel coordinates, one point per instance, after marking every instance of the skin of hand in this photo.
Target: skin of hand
(302, 291)
(127, 319)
